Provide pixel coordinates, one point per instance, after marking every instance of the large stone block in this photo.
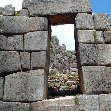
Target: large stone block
(15, 42)
(14, 24)
(90, 36)
(24, 86)
(9, 61)
(9, 10)
(14, 106)
(1, 10)
(105, 102)
(97, 79)
(101, 21)
(25, 60)
(1, 87)
(36, 40)
(84, 21)
(38, 23)
(3, 41)
(52, 7)
(38, 59)
(25, 4)
(95, 54)
(107, 36)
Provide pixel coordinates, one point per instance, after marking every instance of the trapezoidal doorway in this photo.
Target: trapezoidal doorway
(63, 78)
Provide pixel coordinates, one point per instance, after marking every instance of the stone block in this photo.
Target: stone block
(36, 40)
(25, 60)
(24, 12)
(14, 106)
(24, 86)
(15, 42)
(105, 102)
(101, 21)
(3, 41)
(38, 59)
(52, 7)
(84, 21)
(107, 36)
(38, 23)
(9, 61)
(14, 24)
(1, 87)
(1, 10)
(90, 36)
(9, 10)
(97, 79)
(25, 4)
(95, 54)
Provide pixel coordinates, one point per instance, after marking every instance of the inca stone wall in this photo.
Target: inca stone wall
(24, 55)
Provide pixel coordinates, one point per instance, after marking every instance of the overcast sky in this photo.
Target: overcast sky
(65, 33)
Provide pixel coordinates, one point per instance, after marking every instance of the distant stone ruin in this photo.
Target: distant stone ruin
(25, 55)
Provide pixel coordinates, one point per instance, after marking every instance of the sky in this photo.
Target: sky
(66, 33)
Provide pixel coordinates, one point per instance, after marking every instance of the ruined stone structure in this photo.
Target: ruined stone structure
(24, 56)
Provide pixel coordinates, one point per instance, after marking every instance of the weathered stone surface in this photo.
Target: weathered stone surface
(9, 61)
(107, 36)
(14, 106)
(14, 24)
(8, 10)
(3, 41)
(24, 86)
(58, 7)
(15, 42)
(97, 79)
(1, 87)
(95, 54)
(105, 102)
(101, 21)
(38, 23)
(1, 10)
(24, 12)
(90, 36)
(84, 21)
(38, 59)
(75, 103)
(25, 60)
(25, 4)
(36, 40)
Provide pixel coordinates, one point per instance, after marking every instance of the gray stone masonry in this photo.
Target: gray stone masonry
(38, 59)
(24, 12)
(24, 86)
(14, 106)
(95, 54)
(75, 103)
(84, 21)
(25, 60)
(36, 40)
(9, 61)
(90, 36)
(97, 79)
(15, 42)
(58, 7)
(107, 36)
(101, 21)
(14, 24)
(1, 87)
(8, 10)
(3, 41)
(38, 23)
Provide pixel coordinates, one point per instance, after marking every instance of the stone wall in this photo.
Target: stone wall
(24, 49)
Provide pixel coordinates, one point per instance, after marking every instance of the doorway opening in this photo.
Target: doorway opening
(63, 79)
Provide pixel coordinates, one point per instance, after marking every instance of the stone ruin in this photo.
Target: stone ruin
(24, 56)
